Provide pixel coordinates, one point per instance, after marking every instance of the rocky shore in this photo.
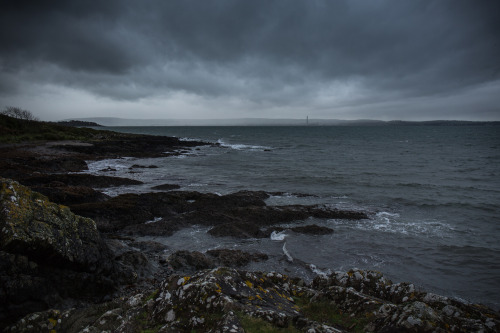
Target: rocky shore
(71, 260)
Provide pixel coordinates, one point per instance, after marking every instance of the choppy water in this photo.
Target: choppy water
(433, 195)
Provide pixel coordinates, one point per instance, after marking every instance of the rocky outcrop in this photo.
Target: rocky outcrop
(229, 300)
(47, 254)
(311, 229)
(134, 145)
(241, 214)
(188, 262)
(21, 161)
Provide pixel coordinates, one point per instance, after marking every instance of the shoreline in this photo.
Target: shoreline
(243, 215)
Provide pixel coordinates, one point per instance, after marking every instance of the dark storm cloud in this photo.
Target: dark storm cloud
(267, 50)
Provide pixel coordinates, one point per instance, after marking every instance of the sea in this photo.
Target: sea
(432, 194)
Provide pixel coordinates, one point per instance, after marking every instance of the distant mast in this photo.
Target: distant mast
(307, 121)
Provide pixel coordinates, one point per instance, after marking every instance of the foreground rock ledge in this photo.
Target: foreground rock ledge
(229, 300)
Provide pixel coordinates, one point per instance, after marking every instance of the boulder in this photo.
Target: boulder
(47, 254)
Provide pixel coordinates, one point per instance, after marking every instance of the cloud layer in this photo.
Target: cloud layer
(334, 59)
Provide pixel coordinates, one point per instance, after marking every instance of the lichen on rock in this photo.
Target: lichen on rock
(33, 226)
(228, 300)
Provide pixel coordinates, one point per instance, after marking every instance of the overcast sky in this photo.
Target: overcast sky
(413, 60)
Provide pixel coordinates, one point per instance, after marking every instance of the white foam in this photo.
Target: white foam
(181, 156)
(287, 254)
(278, 236)
(392, 223)
(190, 139)
(96, 166)
(383, 214)
(154, 220)
(318, 271)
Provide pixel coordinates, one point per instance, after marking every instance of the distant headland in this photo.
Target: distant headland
(78, 123)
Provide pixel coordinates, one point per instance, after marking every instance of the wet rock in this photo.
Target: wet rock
(149, 246)
(48, 254)
(188, 261)
(137, 166)
(70, 195)
(246, 222)
(116, 213)
(166, 187)
(159, 228)
(311, 229)
(237, 230)
(240, 214)
(87, 180)
(176, 209)
(108, 169)
(135, 265)
(235, 258)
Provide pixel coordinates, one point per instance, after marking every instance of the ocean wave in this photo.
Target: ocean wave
(190, 139)
(318, 271)
(241, 146)
(278, 236)
(111, 164)
(392, 223)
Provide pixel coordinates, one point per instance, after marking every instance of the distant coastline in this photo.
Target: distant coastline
(109, 121)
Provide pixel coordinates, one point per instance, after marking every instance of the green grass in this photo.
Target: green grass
(257, 325)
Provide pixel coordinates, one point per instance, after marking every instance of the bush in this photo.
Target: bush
(18, 113)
